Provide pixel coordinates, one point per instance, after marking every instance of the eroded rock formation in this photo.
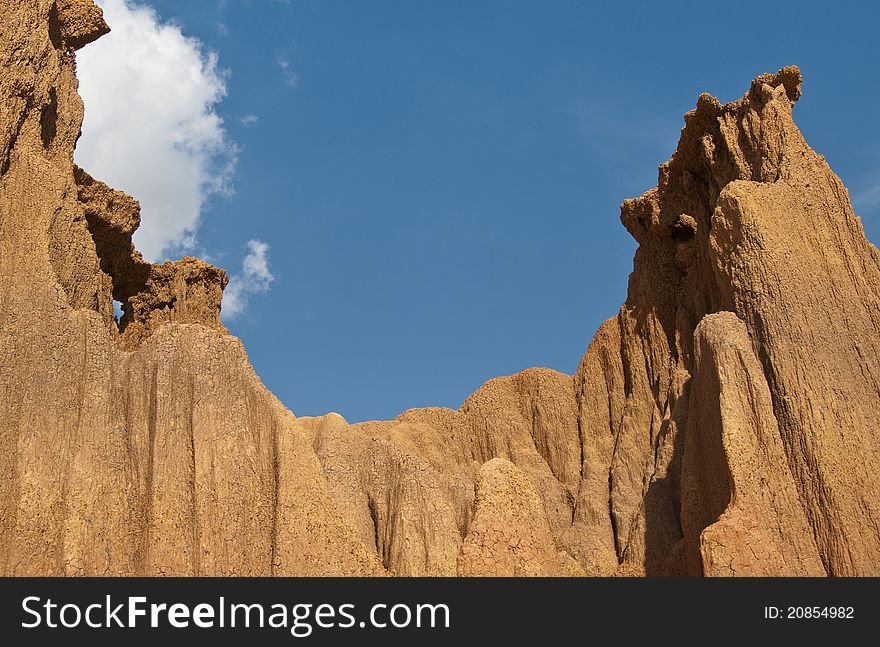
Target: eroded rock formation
(723, 423)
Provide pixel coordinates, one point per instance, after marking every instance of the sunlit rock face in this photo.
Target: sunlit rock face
(722, 423)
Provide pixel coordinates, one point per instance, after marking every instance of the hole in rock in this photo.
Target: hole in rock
(684, 228)
(49, 119)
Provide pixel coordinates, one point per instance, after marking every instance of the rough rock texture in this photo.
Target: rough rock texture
(79, 22)
(724, 422)
(510, 535)
(740, 512)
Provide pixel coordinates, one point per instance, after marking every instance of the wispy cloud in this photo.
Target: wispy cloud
(151, 126)
(222, 28)
(605, 126)
(249, 120)
(868, 198)
(287, 73)
(631, 139)
(255, 278)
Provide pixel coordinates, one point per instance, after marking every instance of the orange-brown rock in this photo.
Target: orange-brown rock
(510, 535)
(722, 423)
(740, 511)
(144, 448)
(79, 22)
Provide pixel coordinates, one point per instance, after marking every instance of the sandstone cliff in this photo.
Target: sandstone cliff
(723, 423)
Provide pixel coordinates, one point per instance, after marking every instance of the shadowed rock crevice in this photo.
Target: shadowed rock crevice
(49, 120)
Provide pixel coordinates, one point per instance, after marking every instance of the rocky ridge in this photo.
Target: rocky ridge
(722, 423)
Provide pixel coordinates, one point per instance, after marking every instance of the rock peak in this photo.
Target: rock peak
(76, 23)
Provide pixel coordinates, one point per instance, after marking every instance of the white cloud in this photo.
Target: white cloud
(151, 128)
(255, 278)
(249, 120)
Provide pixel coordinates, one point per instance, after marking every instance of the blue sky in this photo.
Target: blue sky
(435, 186)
